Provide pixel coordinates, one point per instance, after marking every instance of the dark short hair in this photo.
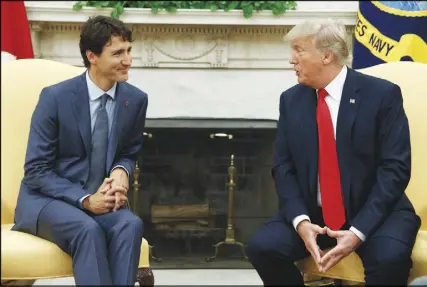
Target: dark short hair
(97, 32)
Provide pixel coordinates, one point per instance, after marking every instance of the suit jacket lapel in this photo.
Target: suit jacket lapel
(309, 130)
(80, 104)
(116, 128)
(350, 102)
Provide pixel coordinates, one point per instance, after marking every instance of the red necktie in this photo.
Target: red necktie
(329, 173)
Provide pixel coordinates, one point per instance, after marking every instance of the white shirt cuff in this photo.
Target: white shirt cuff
(121, 167)
(358, 233)
(81, 201)
(298, 219)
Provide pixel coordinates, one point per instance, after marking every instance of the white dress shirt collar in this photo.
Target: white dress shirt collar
(95, 92)
(336, 86)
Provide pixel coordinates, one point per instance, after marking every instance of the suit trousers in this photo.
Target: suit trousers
(275, 247)
(104, 248)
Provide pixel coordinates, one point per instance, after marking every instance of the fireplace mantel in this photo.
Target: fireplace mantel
(186, 39)
(194, 63)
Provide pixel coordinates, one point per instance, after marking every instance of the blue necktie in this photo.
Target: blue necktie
(98, 159)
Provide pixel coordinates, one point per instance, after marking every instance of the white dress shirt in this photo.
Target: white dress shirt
(333, 99)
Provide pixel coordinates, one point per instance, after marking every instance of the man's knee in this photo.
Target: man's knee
(388, 258)
(136, 224)
(274, 240)
(396, 253)
(91, 228)
(130, 224)
(260, 247)
(89, 231)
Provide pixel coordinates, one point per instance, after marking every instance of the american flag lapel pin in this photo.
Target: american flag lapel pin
(352, 101)
(126, 103)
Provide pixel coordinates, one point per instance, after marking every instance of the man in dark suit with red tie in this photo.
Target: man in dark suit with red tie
(342, 162)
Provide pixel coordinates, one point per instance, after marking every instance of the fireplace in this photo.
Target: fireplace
(184, 182)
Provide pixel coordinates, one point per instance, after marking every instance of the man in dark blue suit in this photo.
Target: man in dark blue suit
(85, 136)
(342, 162)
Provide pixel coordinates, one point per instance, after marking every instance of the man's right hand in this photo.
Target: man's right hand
(308, 233)
(100, 202)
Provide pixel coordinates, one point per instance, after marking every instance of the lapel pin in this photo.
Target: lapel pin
(126, 103)
(352, 101)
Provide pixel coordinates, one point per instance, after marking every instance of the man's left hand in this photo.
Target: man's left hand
(120, 182)
(347, 242)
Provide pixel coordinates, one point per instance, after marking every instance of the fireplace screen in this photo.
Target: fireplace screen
(203, 191)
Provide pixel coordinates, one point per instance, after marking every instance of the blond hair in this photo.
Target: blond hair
(328, 35)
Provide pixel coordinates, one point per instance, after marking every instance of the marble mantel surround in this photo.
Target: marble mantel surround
(195, 63)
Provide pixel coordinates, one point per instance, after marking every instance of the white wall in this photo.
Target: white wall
(208, 93)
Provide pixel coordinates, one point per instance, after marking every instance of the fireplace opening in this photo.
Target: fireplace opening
(202, 182)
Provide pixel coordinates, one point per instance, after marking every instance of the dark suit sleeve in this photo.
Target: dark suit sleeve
(130, 150)
(394, 158)
(41, 154)
(288, 191)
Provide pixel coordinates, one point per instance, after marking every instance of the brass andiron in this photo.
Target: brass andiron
(136, 184)
(136, 173)
(229, 233)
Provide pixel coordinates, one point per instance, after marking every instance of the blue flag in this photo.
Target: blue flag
(390, 31)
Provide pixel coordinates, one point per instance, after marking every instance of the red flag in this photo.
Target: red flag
(15, 30)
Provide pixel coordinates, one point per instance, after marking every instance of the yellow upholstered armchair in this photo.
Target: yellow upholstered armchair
(24, 256)
(412, 78)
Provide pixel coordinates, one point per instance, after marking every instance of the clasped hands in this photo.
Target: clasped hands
(111, 195)
(347, 242)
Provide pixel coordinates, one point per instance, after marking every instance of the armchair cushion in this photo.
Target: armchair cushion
(41, 258)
